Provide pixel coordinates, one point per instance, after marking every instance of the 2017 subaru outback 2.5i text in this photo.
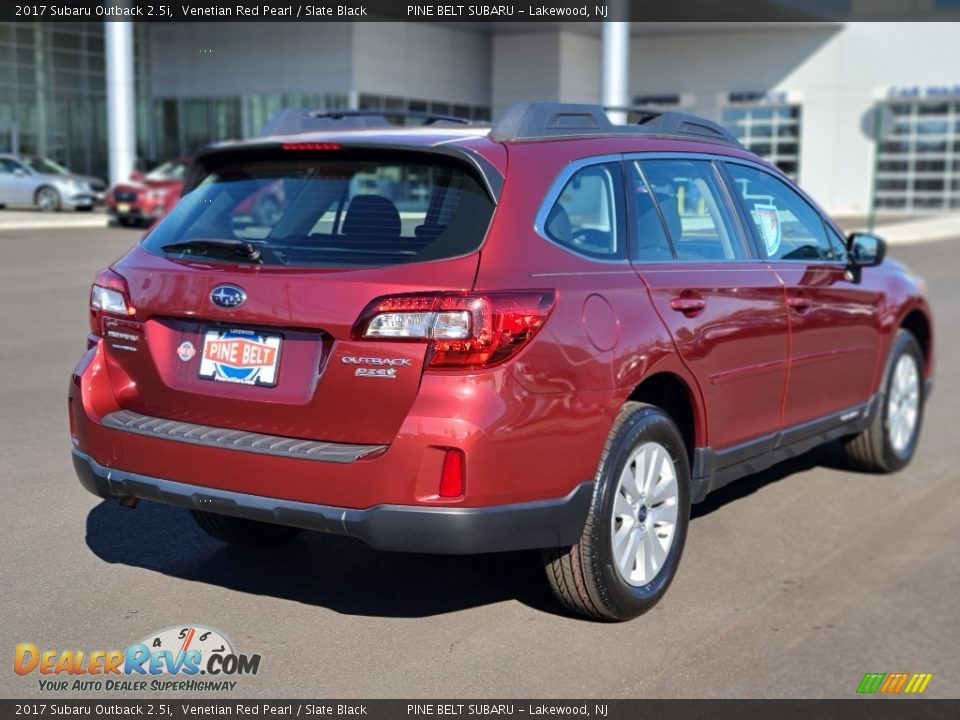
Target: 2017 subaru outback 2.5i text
(550, 333)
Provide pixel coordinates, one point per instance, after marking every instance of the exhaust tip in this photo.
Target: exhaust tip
(129, 502)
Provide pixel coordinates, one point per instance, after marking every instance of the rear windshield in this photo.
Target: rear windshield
(329, 211)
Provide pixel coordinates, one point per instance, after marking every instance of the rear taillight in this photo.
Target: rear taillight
(109, 295)
(464, 330)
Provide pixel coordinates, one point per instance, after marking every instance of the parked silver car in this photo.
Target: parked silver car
(41, 183)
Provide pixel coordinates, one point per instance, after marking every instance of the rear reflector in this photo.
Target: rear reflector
(73, 424)
(463, 330)
(451, 477)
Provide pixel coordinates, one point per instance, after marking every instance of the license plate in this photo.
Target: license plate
(123, 207)
(246, 357)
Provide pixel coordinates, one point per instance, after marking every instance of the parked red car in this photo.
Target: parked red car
(146, 198)
(553, 333)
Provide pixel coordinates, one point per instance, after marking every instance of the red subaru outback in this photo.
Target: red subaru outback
(553, 333)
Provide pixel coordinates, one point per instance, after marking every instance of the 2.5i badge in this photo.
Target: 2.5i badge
(240, 356)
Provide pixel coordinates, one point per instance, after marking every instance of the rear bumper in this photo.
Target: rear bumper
(518, 448)
(407, 528)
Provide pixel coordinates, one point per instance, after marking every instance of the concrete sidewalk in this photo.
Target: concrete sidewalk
(945, 226)
(36, 220)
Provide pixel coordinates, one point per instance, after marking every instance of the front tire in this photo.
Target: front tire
(637, 525)
(239, 531)
(47, 199)
(890, 441)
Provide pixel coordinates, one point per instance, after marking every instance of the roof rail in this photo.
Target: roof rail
(297, 120)
(533, 121)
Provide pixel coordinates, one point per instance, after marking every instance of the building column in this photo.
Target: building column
(616, 63)
(121, 112)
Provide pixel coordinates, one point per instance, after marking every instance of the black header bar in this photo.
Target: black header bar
(176, 709)
(549, 11)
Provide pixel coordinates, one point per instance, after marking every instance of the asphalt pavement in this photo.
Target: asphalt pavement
(794, 582)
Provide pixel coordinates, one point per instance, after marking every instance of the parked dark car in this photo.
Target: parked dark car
(550, 333)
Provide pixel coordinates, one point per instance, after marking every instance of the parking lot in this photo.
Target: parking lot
(795, 582)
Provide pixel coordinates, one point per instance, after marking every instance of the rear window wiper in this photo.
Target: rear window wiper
(239, 248)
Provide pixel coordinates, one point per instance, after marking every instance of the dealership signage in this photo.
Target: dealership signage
(762, 97)
(917, 92)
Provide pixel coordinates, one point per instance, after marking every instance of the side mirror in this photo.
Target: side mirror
(20, 172)
(136, 176)
(866, 250)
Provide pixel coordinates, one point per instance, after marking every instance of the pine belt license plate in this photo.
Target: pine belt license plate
(246, 357)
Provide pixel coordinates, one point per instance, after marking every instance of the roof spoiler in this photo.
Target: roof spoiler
(534, 121)
(297, 120)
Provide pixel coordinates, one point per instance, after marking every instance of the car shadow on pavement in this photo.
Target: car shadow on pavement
(339, 573)
(344, 574)
(825, 456)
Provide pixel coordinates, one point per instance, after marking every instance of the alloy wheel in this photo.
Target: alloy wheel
(644, 519)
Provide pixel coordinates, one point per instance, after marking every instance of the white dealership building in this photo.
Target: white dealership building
(797, 93)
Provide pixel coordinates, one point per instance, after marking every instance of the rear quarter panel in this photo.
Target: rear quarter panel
(604, 335)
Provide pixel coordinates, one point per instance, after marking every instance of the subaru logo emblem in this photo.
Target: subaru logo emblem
(228, 296)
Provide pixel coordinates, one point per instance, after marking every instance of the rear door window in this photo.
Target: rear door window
(587, 216)
(332, 210)
(694, 209)
(650, 243)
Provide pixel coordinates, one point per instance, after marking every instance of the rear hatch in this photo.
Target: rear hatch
(246, 297)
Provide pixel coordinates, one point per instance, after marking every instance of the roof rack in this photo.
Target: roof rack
(533, 121)
(297, 120)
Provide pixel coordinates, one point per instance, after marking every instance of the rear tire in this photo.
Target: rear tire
(890, 441)
(637, 525)
(239, 531)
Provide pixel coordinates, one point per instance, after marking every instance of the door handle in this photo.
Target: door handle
(799, 303)
(688, 304)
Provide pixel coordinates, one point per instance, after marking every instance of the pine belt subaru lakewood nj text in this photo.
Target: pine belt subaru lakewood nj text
(555, 332)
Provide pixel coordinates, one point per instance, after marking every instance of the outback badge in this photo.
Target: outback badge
(383, 367)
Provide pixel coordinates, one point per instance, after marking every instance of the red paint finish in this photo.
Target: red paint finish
(734, 339)
(757, 347)
(835, 335)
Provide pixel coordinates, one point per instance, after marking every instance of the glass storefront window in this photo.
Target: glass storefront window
(770, 131)
(916, 165)
(56, 100)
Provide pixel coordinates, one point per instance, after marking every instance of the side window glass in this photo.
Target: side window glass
(651, 243)
(587, 215)
(787, 226)
(839, 243)
(693, 209)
